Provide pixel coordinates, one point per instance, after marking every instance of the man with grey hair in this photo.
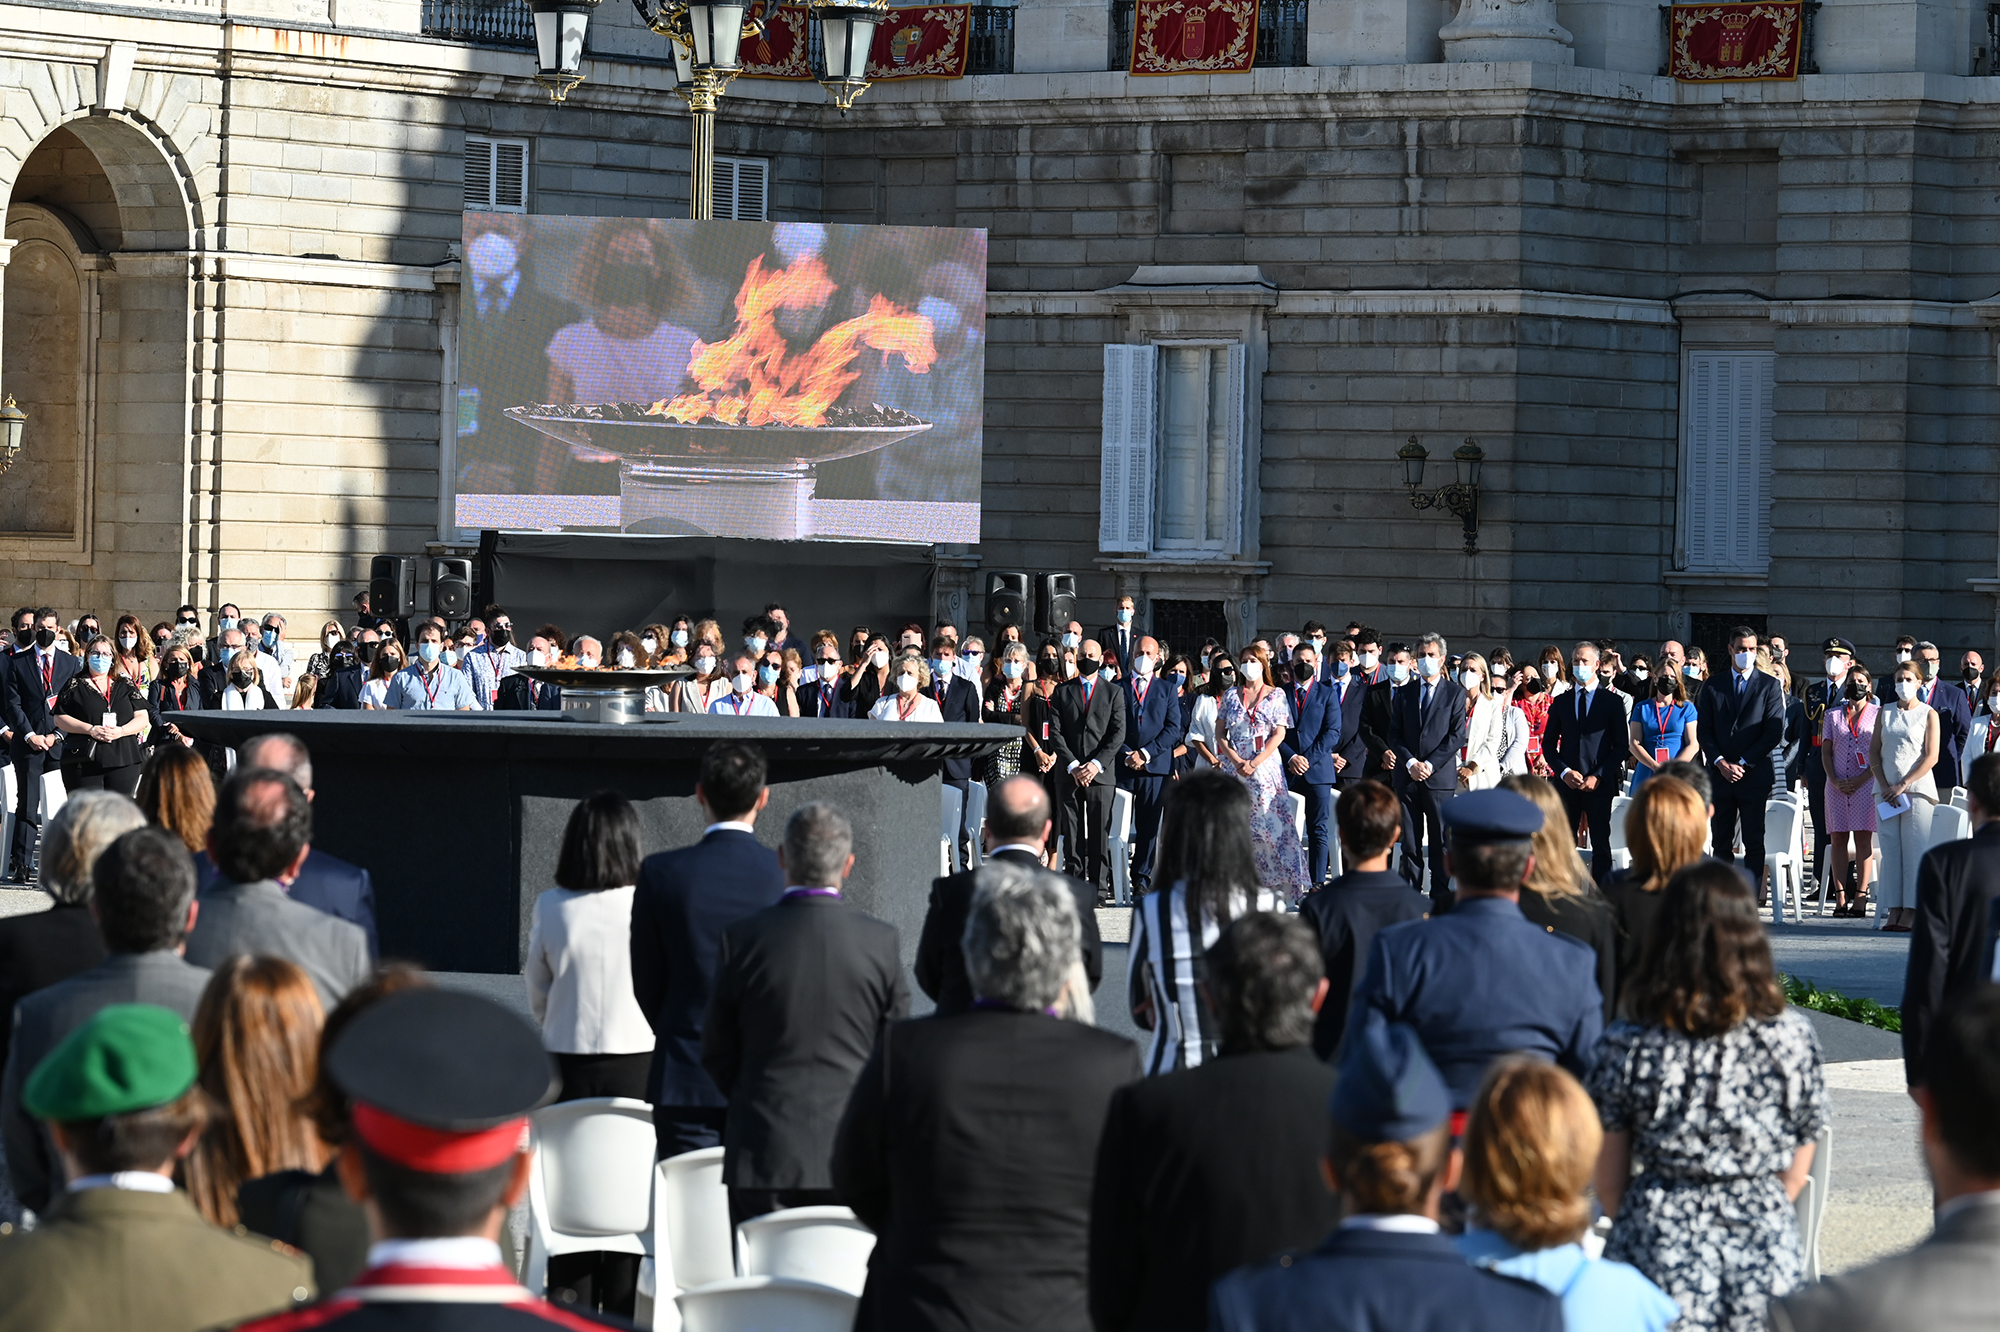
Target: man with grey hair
(1954, 710)
(970, 1142)
(802, 993)
(1427, 729)
(325, 881)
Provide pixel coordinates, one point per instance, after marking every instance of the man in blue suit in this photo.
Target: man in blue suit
(1343, 677)
(1427, 729)
(1308, 750)
(33, 678)
(684, 901)
(1388, 1265)
(1585, 743)
(1742, 720)
(325, 881)
(1146, 757)
(1954, 710)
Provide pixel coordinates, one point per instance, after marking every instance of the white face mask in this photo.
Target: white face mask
(1902, 656)
(1398, 672)
(587, 663)
(1428, 667)
(1069, 668)
(1549, 669)
(742, 682)
(1071, 640)
(1906, 690)
(1369, 660)
(1836, 667)
(1143, 663)
(126, 642)
(879, 658)
(451, 656)
(704, 664)
(538, 658)
(1471, 679)
(1745, 660)
(1640, 672)
(330, 640)
(1993, 703)
(1252, 670)
(906, 683)
(650, 643)
(626, 660)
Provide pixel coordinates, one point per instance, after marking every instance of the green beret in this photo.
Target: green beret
(129, 1057)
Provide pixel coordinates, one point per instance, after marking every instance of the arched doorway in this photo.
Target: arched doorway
(95, 347)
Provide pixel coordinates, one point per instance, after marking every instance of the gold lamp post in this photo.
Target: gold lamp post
(13, 424)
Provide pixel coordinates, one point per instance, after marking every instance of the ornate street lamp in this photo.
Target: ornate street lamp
(13, 423)
(1461, 498)
(847, 31)
(559, 29)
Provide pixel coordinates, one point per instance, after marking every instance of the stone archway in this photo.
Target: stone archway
(95, 345)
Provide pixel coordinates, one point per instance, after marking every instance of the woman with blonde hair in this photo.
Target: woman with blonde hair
(256, 1037)
(906, 700)
(135, 652)
(1479, 761)
(1666, 828)
(1558, 894)
(1531, 1144)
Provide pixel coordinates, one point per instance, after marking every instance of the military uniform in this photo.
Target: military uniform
(1484, 981)
(1818, 696)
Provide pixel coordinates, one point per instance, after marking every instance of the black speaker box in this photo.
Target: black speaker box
(1055, 606)
(1006, 601)
(392, 586)
(451, 589)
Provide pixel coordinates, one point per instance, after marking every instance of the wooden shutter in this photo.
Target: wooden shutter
(724, 204)
(510, 176)
(1726, 438)
(1125, 498)
(1235, 409)
(478, 174)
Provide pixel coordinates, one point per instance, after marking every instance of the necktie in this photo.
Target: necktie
(825, 699)
(1087, 690)
(1142, 693)
(1427, 698)
(48, 673)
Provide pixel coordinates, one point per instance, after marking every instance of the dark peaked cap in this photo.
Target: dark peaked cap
(448, 1061)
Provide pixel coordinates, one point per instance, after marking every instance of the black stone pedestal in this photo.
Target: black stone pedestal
(459, 815)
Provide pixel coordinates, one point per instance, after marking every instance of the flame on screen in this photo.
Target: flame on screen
(754, 378)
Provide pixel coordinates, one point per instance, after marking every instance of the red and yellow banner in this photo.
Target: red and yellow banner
(1193, 36)
(921, 42)
(1736, 43)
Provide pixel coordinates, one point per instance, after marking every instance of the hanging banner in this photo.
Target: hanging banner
(779, 51)
(1735, 43)
(1193, 36)
(923, 42)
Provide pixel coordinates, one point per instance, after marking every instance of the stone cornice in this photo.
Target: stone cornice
(1529, 304)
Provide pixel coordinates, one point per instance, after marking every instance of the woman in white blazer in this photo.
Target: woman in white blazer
(1513, 721)
(580, 956)
(1479, 762)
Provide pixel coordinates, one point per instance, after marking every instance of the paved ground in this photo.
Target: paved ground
(1881, 1201)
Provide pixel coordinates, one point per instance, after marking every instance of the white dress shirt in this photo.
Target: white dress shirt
(580, 973)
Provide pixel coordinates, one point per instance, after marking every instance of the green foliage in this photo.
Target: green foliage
(1807, 995)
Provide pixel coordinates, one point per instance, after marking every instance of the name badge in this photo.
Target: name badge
(1662, 756)
(1045, 730)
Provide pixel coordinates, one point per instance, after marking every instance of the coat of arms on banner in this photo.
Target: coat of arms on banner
(925, 42)
(1193, 36)
(779, 50)
(1736, 43)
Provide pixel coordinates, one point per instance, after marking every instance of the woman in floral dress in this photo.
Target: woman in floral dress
(1250, 726)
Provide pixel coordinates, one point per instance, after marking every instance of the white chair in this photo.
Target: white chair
(7, 789)
(1621, 854)
(827, 1245)
(1950, 823)
(1297, 803)
(1959, 799)
(975, 823)
(1784, 854)
(590, 1182)
(692, 1241)
(1118, 847)
(766, 1304)
(953, 812)
(1809, 1208)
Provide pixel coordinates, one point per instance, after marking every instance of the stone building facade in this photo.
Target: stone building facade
(1729, 349)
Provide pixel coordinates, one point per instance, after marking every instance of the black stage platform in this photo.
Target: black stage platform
(459, 815)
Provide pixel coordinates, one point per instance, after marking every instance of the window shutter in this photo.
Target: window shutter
(1236, 409)
(1125, 499)
(1727, 436)
(510, 177)
(478, 174)
(742, 188)
(725, 187)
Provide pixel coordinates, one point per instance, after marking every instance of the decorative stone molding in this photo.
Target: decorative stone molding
(1237, 584)
(1506, 31)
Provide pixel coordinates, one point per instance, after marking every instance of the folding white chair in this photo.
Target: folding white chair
(7, 790)
(1621, 854)
(827, 1245)
(1118, 847)
(1784, 855)
(692, 1241)
(1297, 803)
(1959, 799)
(590, 1182)
(766, 1304)
(1950, 823)
(1809, 1208)
(953, 815)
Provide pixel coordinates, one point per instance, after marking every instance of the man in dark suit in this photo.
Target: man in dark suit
(33, 679)
(824, 697)
(1348, 913)
(1427, 729)
(1954, 709)
(958, 701)
(1146, 757)
(520, 694)
(1386, 1266)
(1017, 827)
(1343, 678)
(261, 834)
(1308, 750)
(1742, 720)
(803, 991)
(1370, 657)
(1952, 943)
(145, 905)
(685, 900)
(508, 360)
(1208, 1168)
(1585, 743)
(1818, 696)
(1377, 709)
(1089, 730)
(1951, 1281)
(970, 1140)
(1121, 640)
(325, 881)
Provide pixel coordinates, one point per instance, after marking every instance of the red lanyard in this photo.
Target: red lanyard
(737, 702)
(1854, 721)
(1659, 719)
(905, 708)
(431, 683)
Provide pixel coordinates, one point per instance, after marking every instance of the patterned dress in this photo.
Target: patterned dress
(1536, 709)
(1281, 860)
(1844, 742)
(1713, 1123)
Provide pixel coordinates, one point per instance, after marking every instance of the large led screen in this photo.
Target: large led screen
(790, 380)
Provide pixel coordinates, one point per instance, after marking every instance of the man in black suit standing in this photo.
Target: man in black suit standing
(1121, 640)
(1378, 706)
(1203, 1170)
(1958, 895)
(958, 701)
(1343, 677)
(1585, 743)
(803, 991)
(684, 901)
(325, 881)
(824, 696)
(1742, 720)
(1089, 730)
(1017, 827)
(970, 1141)
(1954, 710)
(34, 677)
(1152, 725)
(1427, 728)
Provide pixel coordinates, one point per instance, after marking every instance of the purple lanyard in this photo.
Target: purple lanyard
(810, 892)
(1008, 1008)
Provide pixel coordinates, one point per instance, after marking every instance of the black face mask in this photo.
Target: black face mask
(1970, 676)
(1227, 674)
(89, 631)
(173, 669)
(1664, 687)
(1855, 691)
(368, 651)
(1090, 665)
(243, 679)
(344, 658)
(1047, 666)
(502, 635)
(45, 638)
(24, 637)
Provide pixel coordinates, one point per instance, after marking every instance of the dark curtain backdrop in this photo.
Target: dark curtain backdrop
(601, 584)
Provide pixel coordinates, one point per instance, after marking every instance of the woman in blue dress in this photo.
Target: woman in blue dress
(1663, 729)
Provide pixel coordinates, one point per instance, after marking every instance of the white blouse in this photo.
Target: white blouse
(580, 973)
(925, 711)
